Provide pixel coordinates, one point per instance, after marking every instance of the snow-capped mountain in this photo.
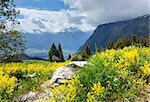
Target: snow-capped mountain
(40, 42)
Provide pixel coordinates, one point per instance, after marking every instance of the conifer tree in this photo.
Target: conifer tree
(134, 39)
(52, 52)
(56, 54)
(61, 57)
(69, 57)
(109, 45)
(88, 51)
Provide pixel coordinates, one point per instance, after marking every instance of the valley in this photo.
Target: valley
(74, 51)
(43, 54)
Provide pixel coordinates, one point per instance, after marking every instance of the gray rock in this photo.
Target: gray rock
(28, 97)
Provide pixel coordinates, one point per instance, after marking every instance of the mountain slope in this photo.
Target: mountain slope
(113, 31)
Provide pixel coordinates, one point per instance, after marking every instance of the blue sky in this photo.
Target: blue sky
(57, 15)
(54, 5)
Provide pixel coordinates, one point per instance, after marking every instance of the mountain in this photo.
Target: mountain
(113, 31)
(38, 44)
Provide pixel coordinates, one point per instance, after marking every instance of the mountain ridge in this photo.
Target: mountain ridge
(115, 30)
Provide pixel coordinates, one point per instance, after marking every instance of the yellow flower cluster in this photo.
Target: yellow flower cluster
(7, 83)
(96, 93)
(30, 67)
(65, 92)
(97, 88)
(131, 56)
(145, 68)
(127, 57)
(8, 79)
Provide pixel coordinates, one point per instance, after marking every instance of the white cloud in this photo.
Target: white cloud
(51, 21)
(83, 14)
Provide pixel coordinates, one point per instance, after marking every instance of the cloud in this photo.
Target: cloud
(51, 21)
(104, 11)
(85, 15)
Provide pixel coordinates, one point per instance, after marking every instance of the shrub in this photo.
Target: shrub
(77, 57)
(55, 59)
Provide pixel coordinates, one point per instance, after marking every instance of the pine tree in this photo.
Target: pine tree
(88, 51)
(69, 57)
(119, 44)
(109, 45)
(52, 52)
(61, 57)
(134, 39)
(56, 54)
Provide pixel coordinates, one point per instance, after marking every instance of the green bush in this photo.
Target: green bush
(55, 59)
(77, 57)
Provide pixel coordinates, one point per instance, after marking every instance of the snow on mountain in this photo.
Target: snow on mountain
(40, 42)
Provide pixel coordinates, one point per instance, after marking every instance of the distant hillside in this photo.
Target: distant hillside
(70, 39)
(38, 44)
(113, 31)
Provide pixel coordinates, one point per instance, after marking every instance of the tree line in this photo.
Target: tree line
(118, 44)
(128, 41)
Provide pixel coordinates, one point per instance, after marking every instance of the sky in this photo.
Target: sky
(56, 15)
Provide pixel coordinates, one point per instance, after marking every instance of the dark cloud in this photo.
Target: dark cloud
(76, 19)
(103, 11)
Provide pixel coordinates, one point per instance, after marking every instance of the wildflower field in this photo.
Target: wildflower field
(110, 75)
(19, 78)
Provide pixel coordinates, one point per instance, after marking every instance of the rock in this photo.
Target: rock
(62, 73)
(28, 97)
(144, 97)
(79, 63)
(72, 65)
